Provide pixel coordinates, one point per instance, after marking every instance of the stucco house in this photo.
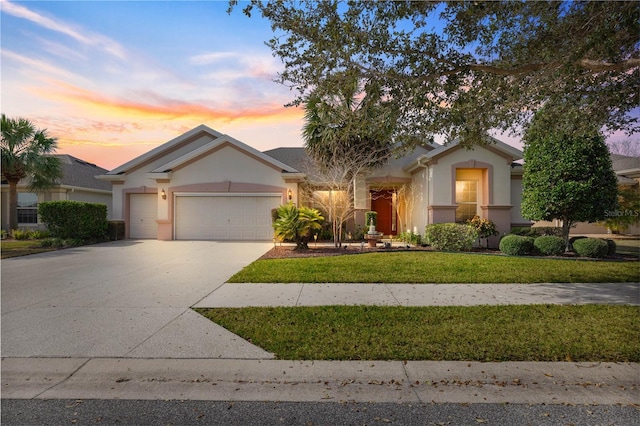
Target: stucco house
(78, 183)
(207, 185)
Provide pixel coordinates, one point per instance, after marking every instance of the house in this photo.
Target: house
(207, 185)
(78, 183)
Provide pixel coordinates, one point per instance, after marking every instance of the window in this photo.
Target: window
(27, 207)
(467, 200)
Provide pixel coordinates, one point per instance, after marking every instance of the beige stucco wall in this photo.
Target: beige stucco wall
(516, 201)
(442, 188)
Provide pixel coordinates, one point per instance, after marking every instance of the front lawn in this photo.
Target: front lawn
(477, 333)
(435, 267)
(14, 248)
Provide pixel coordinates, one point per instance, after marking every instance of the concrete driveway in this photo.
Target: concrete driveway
(122, 299)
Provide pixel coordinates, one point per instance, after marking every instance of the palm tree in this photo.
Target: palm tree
(297, 224)
(25, 154)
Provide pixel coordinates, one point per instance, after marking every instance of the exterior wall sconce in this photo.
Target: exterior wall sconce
(290, 194)
(163, 194)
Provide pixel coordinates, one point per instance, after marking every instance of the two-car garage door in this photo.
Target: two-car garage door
(224, 217)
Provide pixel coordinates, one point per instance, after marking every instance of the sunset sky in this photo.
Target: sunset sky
(112, 80)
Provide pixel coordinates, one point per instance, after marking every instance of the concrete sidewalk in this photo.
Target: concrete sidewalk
(243, 295)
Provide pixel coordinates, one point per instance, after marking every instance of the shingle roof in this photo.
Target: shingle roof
(80, 173)
(624, 162)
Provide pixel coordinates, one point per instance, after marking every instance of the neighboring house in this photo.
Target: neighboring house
(628, 171)
(78, 183)
(207, 185)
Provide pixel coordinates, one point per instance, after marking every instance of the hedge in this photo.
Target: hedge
(591, 247)
(74, 219)
(450, 236)
(516, 245)
(550, 245)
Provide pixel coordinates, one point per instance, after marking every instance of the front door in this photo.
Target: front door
(382, 202)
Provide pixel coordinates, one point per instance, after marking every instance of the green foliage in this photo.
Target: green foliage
(628, 212)
(26, 154)
(115, 230)
(567, 177)
(422, 57)
(20, 234)
(516, 245)
(591, 247)
(550, 245)
(537, 231)
(346, 124)
(368, 217)
(411, 238)
(297, 224)
(74, 219)
(450, 236)
(485, 227)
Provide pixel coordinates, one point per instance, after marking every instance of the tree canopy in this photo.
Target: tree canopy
(25, 152)
(567, 177)
(463, 68)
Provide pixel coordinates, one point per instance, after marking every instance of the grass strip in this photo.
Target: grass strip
(435, 267)
(477, 333)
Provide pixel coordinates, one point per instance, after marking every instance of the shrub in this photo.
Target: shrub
(516, 245)
(297, 224)
(591, 247)
(450, 236)
(410, 238)
(74, 219)
(115, 230)
(611, 247)
(549, 245)
(38, 234)
(368, 216)
(20, 234)
(537, 231)
(574, 239)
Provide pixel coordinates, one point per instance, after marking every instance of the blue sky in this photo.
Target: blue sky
(114, 79)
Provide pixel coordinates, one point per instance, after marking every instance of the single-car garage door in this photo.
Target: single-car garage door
(143, 210)
(240, 217)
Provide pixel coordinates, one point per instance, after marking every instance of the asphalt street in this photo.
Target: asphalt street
(245, 413)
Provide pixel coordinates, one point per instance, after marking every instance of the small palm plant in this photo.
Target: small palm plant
(297, 224)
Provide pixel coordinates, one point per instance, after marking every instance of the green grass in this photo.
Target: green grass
(478, 333)
(628, 247)
(14, 248)
(435, 267)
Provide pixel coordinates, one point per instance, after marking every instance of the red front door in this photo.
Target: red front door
(382, 203)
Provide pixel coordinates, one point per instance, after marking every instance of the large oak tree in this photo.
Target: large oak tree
(461, 68)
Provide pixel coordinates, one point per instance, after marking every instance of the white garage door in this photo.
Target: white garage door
(142, 216)
(245, 217)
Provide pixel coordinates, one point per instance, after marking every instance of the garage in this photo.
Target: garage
(143, 214)
(224, 217)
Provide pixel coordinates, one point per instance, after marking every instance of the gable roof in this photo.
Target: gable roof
(496, 146)
(165, 148)
(217, 143)
(81, 174)
(202, 148)
(77, 173)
